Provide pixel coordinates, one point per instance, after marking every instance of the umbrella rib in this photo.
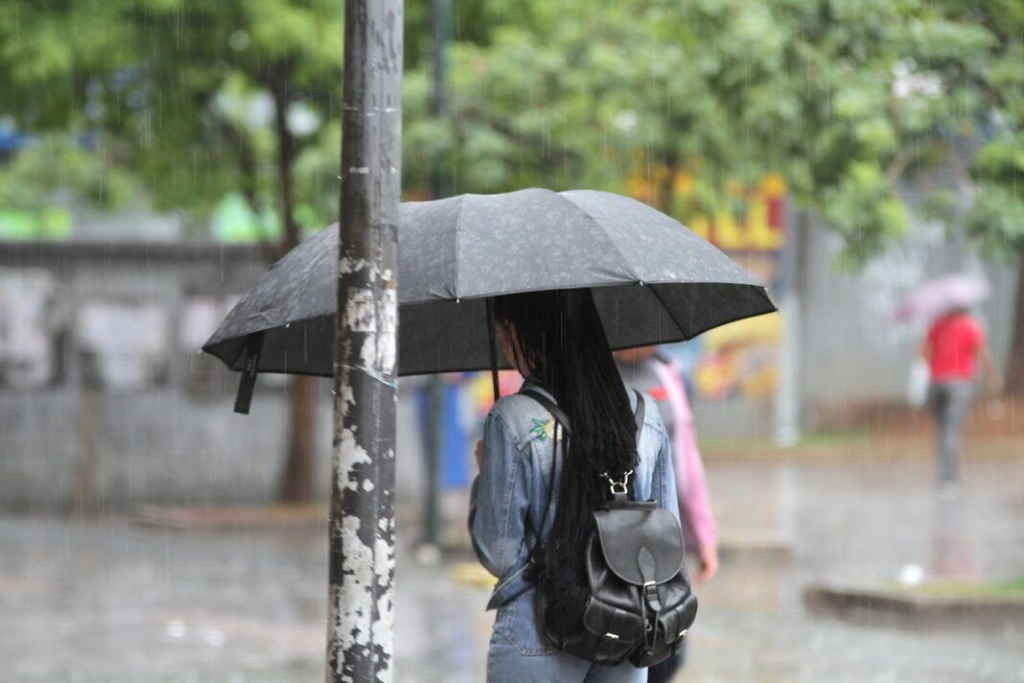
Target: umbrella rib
(607, 237)
(668, 309)
(458, 242)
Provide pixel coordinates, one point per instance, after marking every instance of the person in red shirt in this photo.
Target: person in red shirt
(954, 346)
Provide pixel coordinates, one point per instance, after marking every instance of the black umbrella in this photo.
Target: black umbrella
(654, 281)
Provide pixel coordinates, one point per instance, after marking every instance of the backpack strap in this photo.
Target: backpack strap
(563, 421)
(641, 405)
(550, 406)
(620, 488)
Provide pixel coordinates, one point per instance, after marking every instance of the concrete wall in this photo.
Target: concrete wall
(174, 441)
(851, 349)
(169, 442)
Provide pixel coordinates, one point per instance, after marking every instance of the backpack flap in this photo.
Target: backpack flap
(640, 545)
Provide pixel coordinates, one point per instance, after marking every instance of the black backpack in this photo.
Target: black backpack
(640, 605)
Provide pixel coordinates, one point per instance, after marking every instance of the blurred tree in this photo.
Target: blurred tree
(846, 100)
(54, 169)
(47, 69)
(243, 95)
(47, 76)
(197, 99)
(997, 214)
(232, 85)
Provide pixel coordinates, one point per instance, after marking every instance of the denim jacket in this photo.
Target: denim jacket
(509, 498)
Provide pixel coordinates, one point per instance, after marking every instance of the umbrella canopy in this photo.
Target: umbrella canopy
(941, 295)
(654, 281)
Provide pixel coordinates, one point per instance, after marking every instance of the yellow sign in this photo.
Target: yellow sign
(738, 359)
(761, 227)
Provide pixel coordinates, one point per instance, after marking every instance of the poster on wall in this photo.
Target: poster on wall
(123, 345)
(30, 326)
(204, 375)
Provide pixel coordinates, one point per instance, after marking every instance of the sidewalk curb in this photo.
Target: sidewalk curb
(230, 517)
(859, 447)
(874, 605)
(765, 545)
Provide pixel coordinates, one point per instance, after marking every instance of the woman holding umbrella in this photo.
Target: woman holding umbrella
(563, 277)
(536, 489)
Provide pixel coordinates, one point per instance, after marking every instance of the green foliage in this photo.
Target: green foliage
(57, 168)
(844, 98)
(153, 81)
(50, 51)
(980, 592)
(216, 72)
(997, 220)
(864, 210)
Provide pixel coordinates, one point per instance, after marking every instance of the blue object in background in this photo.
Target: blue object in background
(454, 440)
(454, 444)
(11, 140)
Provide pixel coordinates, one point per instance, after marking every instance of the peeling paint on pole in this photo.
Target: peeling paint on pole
(362, 525)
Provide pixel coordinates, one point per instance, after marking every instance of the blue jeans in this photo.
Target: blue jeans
(519, 654)
(950, 403)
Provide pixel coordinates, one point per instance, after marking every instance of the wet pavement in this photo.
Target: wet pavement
(103, 599)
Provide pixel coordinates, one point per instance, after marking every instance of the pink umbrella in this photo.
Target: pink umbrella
(942, 295)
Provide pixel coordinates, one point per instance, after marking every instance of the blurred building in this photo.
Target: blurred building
(103, 391)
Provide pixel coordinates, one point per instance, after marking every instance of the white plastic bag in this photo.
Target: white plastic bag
(917, 386)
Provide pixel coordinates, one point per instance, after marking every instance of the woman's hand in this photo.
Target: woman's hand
(479, 454)
(708, 563)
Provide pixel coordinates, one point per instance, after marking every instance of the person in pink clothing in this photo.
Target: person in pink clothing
(647, 370)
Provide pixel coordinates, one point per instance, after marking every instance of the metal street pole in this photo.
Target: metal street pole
(440, 11)
(786, 416)
(440, 14)
(360, 628)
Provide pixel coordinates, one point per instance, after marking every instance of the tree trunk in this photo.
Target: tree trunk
(299, 470)
(89, 421)
(664, 199)
(1015, 365)
(247, 167)
(440, 15)
(360, 623)
(280, 86)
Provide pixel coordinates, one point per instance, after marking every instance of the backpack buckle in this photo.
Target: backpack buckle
(618, 487)
(650, 590)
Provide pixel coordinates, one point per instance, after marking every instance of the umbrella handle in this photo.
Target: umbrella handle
(250, 368)
(492, 344)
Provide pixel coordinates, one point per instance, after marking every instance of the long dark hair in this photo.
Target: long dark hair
(560, 336)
